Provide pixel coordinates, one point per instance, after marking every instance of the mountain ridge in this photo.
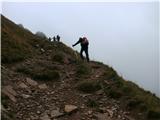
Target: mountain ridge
(44, 80)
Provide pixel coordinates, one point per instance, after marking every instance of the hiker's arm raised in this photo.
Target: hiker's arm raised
(76, 43)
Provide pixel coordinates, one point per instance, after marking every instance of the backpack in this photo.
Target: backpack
(85, 41)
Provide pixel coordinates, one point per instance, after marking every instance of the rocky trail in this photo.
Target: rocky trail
(47, 80)
(41, 100)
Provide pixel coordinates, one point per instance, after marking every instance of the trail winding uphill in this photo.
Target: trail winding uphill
(44, 80)
(47, 100)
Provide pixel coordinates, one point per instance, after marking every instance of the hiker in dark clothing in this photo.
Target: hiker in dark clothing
(54, 38)
(49, 39)
(58, 38)
(84, 47)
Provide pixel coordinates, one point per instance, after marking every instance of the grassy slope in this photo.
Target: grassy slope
(19, 44)
(13, 47)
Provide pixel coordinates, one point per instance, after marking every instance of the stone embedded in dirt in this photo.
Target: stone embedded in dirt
(97, 76)
(43, 86)
(103, 116)
(66, 61)
(8, 91)
(9, 88)
(129, 118)
(110, 112)
(42, 50)
(56, 113)
(102, 109)
(67, 75)
(37, 45)
(104, 99)
(101, 102)
(107, 82)
(23, 85)
(114, 108)
(83, 118)
(38, 112)
(11, 97)
(70, 108)
(126, 112)
(2, 108)
(45, 117)
(119, 116)
(25, 96)
(61, 100)
(34, 117)
(99, 92)
(83, 106)
(84, 95)
(31, 82)
(90, 112)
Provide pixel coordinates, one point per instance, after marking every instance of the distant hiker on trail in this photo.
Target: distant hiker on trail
(58, 38)
(49, 39)
(54, 38)
(84, 47)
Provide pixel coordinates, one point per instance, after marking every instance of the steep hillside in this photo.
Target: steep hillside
(44, 80)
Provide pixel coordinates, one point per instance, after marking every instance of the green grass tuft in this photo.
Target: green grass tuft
(87, 86)
(83, 69)
(153, 114)
(92, 103)
(46, 75)
(59, 57)
(40, 73)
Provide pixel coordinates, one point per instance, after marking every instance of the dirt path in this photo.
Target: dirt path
(39, 100)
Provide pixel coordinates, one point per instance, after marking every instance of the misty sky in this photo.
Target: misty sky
(123, 35)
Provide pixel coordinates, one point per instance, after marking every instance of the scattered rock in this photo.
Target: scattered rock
(101, 116)
(119, 116)
(22, 85)
(37, 45)
(101, 102)
(102, 109)
(43, 86)
(35, 117)
(38, 112)
(42, 50)
(107, 82)
(31, 82)
(83, 118)
(129, 118)
(126, 113)
(56, 113)
(8, 91)
(90, 112)
(83, 106)
(104, 99)
(110, 112)
(67, 75)
(9, 88)
(66, 61)
(45, 117)
(28, 106)
(70, 108)
(25, 96)
(99, 92)
(114, 108)
(97, 76)
(84, 95)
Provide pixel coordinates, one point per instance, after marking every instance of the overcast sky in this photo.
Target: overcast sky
(123, 35)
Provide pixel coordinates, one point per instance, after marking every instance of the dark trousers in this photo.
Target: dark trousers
(86, 52)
